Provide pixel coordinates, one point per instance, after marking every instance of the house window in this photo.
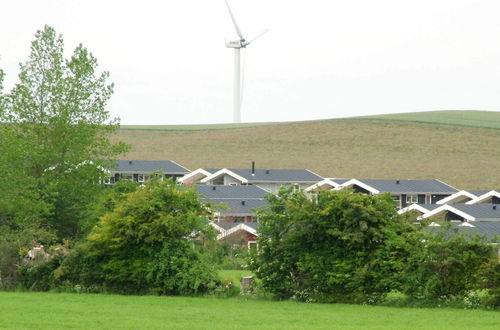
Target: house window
(252, 245)
(411, 199)
(142, 178)
(237, 219)
(427, 199)
(397, 201)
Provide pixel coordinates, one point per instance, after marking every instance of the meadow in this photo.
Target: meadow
(479, 119)
(61, 310)
(452, 146)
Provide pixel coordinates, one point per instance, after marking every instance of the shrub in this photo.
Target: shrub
(151, 241)
(444, 264)
(334, 247)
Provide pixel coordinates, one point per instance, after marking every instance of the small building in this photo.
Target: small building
(140, 170)
(490, 197)
(489, 230)
(466, 212)
(419, 208)
(238, 235)
(404, 192)
(234, 204)
(326, 184)
(462, 197)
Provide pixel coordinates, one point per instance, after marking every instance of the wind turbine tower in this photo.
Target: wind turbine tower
(237, 45)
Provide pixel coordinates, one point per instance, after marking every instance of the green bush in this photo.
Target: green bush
(443, 263)
(152, 240)
(38, 275)
(334, 247)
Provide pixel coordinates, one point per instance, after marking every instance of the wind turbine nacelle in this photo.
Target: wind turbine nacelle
(236, 44)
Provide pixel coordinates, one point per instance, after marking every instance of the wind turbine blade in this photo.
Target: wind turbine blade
(258, 35)
(238, 32)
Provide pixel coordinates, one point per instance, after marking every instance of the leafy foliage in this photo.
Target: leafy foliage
(445, 264)
(334, 247)
(57, 129)
(149, 242)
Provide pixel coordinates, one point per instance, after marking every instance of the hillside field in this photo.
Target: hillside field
(62, 311)
(453, 146)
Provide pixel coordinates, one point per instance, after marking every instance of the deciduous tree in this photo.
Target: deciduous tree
(56, 115)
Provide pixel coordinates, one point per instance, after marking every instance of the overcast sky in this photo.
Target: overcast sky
(320, 58)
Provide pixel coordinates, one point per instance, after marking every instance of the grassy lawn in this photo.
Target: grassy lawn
(56, 311)
(465, 157)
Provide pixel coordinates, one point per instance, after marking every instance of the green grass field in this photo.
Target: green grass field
(465, 157)
(478, 119)
(192, 127)
(58, 311)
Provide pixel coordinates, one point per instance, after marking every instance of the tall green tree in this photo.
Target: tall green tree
(57, 115)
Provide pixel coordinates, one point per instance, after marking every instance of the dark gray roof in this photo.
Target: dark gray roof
(410, 186)
(212, 170)
(430, 207)
(489, 229)
(278, 175)
(236, 206)
(480, 211)
(339, 180)
(478, 192)
(254, 225)
(239, 192)
(225, 225)
(149, 166)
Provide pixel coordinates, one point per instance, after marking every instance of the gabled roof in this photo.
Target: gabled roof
(224, 171)
(236, 227)
(478, 192)
(422, 208)
(231, 192)
(326, 184)
(197, 175)
(267, 176)
(148, 166)
(474, 212)
(395, 186)
(240, 207)
(355, 182)
(484, 197)
(458, 197)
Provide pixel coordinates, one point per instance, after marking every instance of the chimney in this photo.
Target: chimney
(253, 168)
(267, 171)
(397, 181)
(130, 162)
(242, 202)
(213, 188)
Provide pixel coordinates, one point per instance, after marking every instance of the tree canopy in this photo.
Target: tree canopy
(57, 131)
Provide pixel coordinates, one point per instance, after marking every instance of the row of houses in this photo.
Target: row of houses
(237, 193)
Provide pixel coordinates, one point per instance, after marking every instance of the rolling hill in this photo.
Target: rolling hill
(458, 147)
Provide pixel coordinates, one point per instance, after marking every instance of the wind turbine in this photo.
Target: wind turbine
(237, 45)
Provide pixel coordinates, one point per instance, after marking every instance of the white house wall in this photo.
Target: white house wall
(229, 180)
